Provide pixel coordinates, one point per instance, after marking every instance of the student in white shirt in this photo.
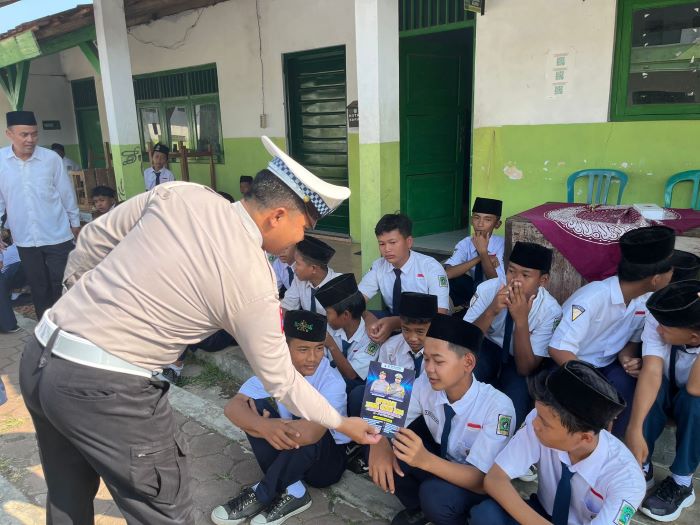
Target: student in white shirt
(157, 173)
(586, 475)
(400, 269)
(42, 209)
(311, 270)
(283, 265)
(11, 276)
(518, 318)
(456, 428)
(349, 347)
(68, 163)
(406, 349)
(288, 449)
(669, 387)
(478, 257)
(602, 321)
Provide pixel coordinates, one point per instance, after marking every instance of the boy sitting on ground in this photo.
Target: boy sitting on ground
(456, 427)
(478, 257)
(289, 450)
(586, 475)
(669, 387)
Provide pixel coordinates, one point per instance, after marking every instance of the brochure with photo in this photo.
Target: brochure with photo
(387, 394)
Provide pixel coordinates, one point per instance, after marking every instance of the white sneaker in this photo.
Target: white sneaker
(530, 475)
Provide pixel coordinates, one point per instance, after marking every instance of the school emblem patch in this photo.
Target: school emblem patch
(556, 323)
(503, 428)
(372, 349)
(271, 258)
(576, 311)
(442, 281)
(303, 326)
(624, 515)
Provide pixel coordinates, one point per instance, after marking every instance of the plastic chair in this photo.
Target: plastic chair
(598, 185)
(691, 176)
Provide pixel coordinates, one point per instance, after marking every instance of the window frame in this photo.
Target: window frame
(189, 102)
(619, 109)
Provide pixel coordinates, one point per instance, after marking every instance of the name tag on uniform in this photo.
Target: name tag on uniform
(640, 313)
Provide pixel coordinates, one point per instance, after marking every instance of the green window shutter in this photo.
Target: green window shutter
(84, 94)
(203, 81)
(147, 88)
(425, 14)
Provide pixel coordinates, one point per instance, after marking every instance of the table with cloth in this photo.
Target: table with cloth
(584, 238)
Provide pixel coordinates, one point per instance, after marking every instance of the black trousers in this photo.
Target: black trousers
(93, 424)
(44, 267)
(320, 464)
(462, 289)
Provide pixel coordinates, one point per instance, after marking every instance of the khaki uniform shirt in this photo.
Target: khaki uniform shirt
(170, 267)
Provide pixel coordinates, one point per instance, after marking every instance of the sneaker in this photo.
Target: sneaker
(356, 460)
(170, 374)
(530, 475)
(410, 517)
(667, 501)
(283, 508)
(237, 510)
(649, 477)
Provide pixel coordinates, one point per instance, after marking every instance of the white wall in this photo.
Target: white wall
(227, 34)
(49, 97)
(514, 40)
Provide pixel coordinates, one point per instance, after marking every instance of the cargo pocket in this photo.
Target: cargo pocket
(156, 470)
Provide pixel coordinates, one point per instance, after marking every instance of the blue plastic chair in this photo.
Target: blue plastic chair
(690, 176)
(598, 185)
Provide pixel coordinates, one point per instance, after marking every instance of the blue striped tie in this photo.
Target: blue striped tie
(562, 498)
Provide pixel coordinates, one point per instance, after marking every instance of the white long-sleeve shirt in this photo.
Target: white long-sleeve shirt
(39, 198)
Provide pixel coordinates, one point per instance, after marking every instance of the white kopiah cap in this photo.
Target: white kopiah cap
(321, 195)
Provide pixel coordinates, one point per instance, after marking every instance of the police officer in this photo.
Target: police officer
(86, 377)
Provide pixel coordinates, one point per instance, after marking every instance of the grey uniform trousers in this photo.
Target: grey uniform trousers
(93, 424)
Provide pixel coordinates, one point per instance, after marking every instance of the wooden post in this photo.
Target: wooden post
(212, 169)
(184, 169)
(108, 156)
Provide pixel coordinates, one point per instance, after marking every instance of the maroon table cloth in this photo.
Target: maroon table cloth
(588, 235)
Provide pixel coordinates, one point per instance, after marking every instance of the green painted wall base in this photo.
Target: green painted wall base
(127, 170)
(528, 165)
(354, 184)
(379, 190)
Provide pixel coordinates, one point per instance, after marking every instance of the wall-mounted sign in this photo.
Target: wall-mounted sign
(353, 115)
(476, 6)
(51, 124)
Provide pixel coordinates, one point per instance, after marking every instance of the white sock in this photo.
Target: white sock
(645, 468)
(15, 295)
(296, 490)
(683, 481)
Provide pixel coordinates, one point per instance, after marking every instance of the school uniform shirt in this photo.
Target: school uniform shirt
(481, 426)
(465, 251)
(9, 256)
(281, 272)
(606, 488)
(70, 164)
(652, 344)
(149, 177)
(298, 295)
(543, 318)
(395, 351)
(326, 379)
(39, 198)
(596, 324)
(421, 274)
(218, 279)
(362, 350)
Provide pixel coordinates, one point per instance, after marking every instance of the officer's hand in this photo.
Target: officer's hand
(382, 465)
(500, 301)
(637, 444)
(409, 448)
(631, 365)
(358, 430)
(278, 433)
(380, 331)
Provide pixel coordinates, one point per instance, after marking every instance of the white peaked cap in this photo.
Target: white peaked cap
(323, 196)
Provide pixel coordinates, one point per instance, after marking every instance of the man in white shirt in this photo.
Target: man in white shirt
(68, 163)
(398, 270)
(42, 209)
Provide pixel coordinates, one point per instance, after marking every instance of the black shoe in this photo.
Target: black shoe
(667, 501)
(170, 375)
(282, 509)
(356, 460)
(410, 517)
(649, 477)
(237, 510)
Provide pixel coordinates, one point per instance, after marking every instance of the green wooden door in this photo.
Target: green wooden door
(90, 137)
(435, 95)
(317, 126)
